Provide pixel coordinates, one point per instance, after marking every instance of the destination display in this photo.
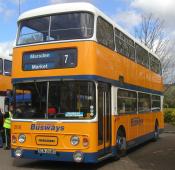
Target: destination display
(44, 60)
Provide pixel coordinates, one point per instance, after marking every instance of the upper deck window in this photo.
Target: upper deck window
(124, 44)
(105, 33)
(155, 64)
(67, 26)
(142, 56)
(34, 31)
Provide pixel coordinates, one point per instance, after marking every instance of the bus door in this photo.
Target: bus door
(104, 118)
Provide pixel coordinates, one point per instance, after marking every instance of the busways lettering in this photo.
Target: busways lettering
(136, 122)
(47, 127)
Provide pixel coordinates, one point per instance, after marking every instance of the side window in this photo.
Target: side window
(144, 102)
(1, 66)
(155, 64)
(105, 33)
(160, 68)
(142, 56)
(124, 44)
(127, 101)
(7, 67)
(156, 103)
(33, 30)
(131, 47)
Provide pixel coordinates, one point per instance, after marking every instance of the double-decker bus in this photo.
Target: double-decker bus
(5, 82)
(93, 90)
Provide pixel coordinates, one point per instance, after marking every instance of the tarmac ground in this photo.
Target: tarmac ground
(158, 155)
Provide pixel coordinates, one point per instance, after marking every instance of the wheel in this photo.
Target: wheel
(121, 147)
(156, 132)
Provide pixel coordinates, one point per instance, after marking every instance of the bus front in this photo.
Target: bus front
(55, 104)
(5, 82)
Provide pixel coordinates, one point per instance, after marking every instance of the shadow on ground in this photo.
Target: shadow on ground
(158, 155)
(71, 166)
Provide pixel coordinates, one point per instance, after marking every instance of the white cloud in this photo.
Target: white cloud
(164, 9)
(7, 12)
(5, 48)
(67, 1)
(127, 19)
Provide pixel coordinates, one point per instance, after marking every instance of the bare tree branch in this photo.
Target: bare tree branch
(152, 34)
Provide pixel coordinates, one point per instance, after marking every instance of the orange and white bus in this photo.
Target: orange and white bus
(5, 82)
(94, 90)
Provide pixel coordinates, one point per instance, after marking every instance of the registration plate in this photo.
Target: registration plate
(46, 151)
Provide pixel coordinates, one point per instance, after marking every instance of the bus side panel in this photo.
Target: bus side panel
(93, 59)
(113, 65)
(5, 83)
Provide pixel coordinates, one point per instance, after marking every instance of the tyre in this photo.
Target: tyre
(156, 132)
(121, 147)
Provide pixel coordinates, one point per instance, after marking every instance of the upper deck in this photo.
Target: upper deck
(76, 7)
(92, 59)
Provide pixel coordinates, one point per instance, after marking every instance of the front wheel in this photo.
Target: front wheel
(121, 147)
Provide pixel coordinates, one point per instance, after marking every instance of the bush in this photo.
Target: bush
(169, 116)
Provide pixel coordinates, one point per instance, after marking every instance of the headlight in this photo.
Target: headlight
(22, 138)
(74, 140)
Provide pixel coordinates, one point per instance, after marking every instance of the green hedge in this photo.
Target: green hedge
(169, 116)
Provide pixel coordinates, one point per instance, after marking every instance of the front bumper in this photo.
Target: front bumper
(59, 156)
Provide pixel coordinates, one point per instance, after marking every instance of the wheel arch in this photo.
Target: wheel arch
(156, 123)
(122, 129)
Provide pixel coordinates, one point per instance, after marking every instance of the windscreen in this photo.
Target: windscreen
(31, 100)
(66, 26)
(55, 100)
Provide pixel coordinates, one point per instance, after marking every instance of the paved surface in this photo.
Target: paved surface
(158, 155)
(169, 128)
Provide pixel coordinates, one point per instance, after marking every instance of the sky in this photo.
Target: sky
(126, 13)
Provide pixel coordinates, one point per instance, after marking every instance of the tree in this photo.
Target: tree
(151, 33)
(169, 99)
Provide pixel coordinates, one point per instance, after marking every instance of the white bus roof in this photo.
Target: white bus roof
(58, 8)
(72, 7)
(8, 57)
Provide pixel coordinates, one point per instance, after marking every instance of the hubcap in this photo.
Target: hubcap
(121, 142)
(156, 133)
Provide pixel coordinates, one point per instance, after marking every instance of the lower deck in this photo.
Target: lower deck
(91, 112)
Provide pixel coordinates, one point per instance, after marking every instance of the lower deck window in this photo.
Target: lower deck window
(55, 100)
(127, 101)
(156, 103)
(144, 102)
